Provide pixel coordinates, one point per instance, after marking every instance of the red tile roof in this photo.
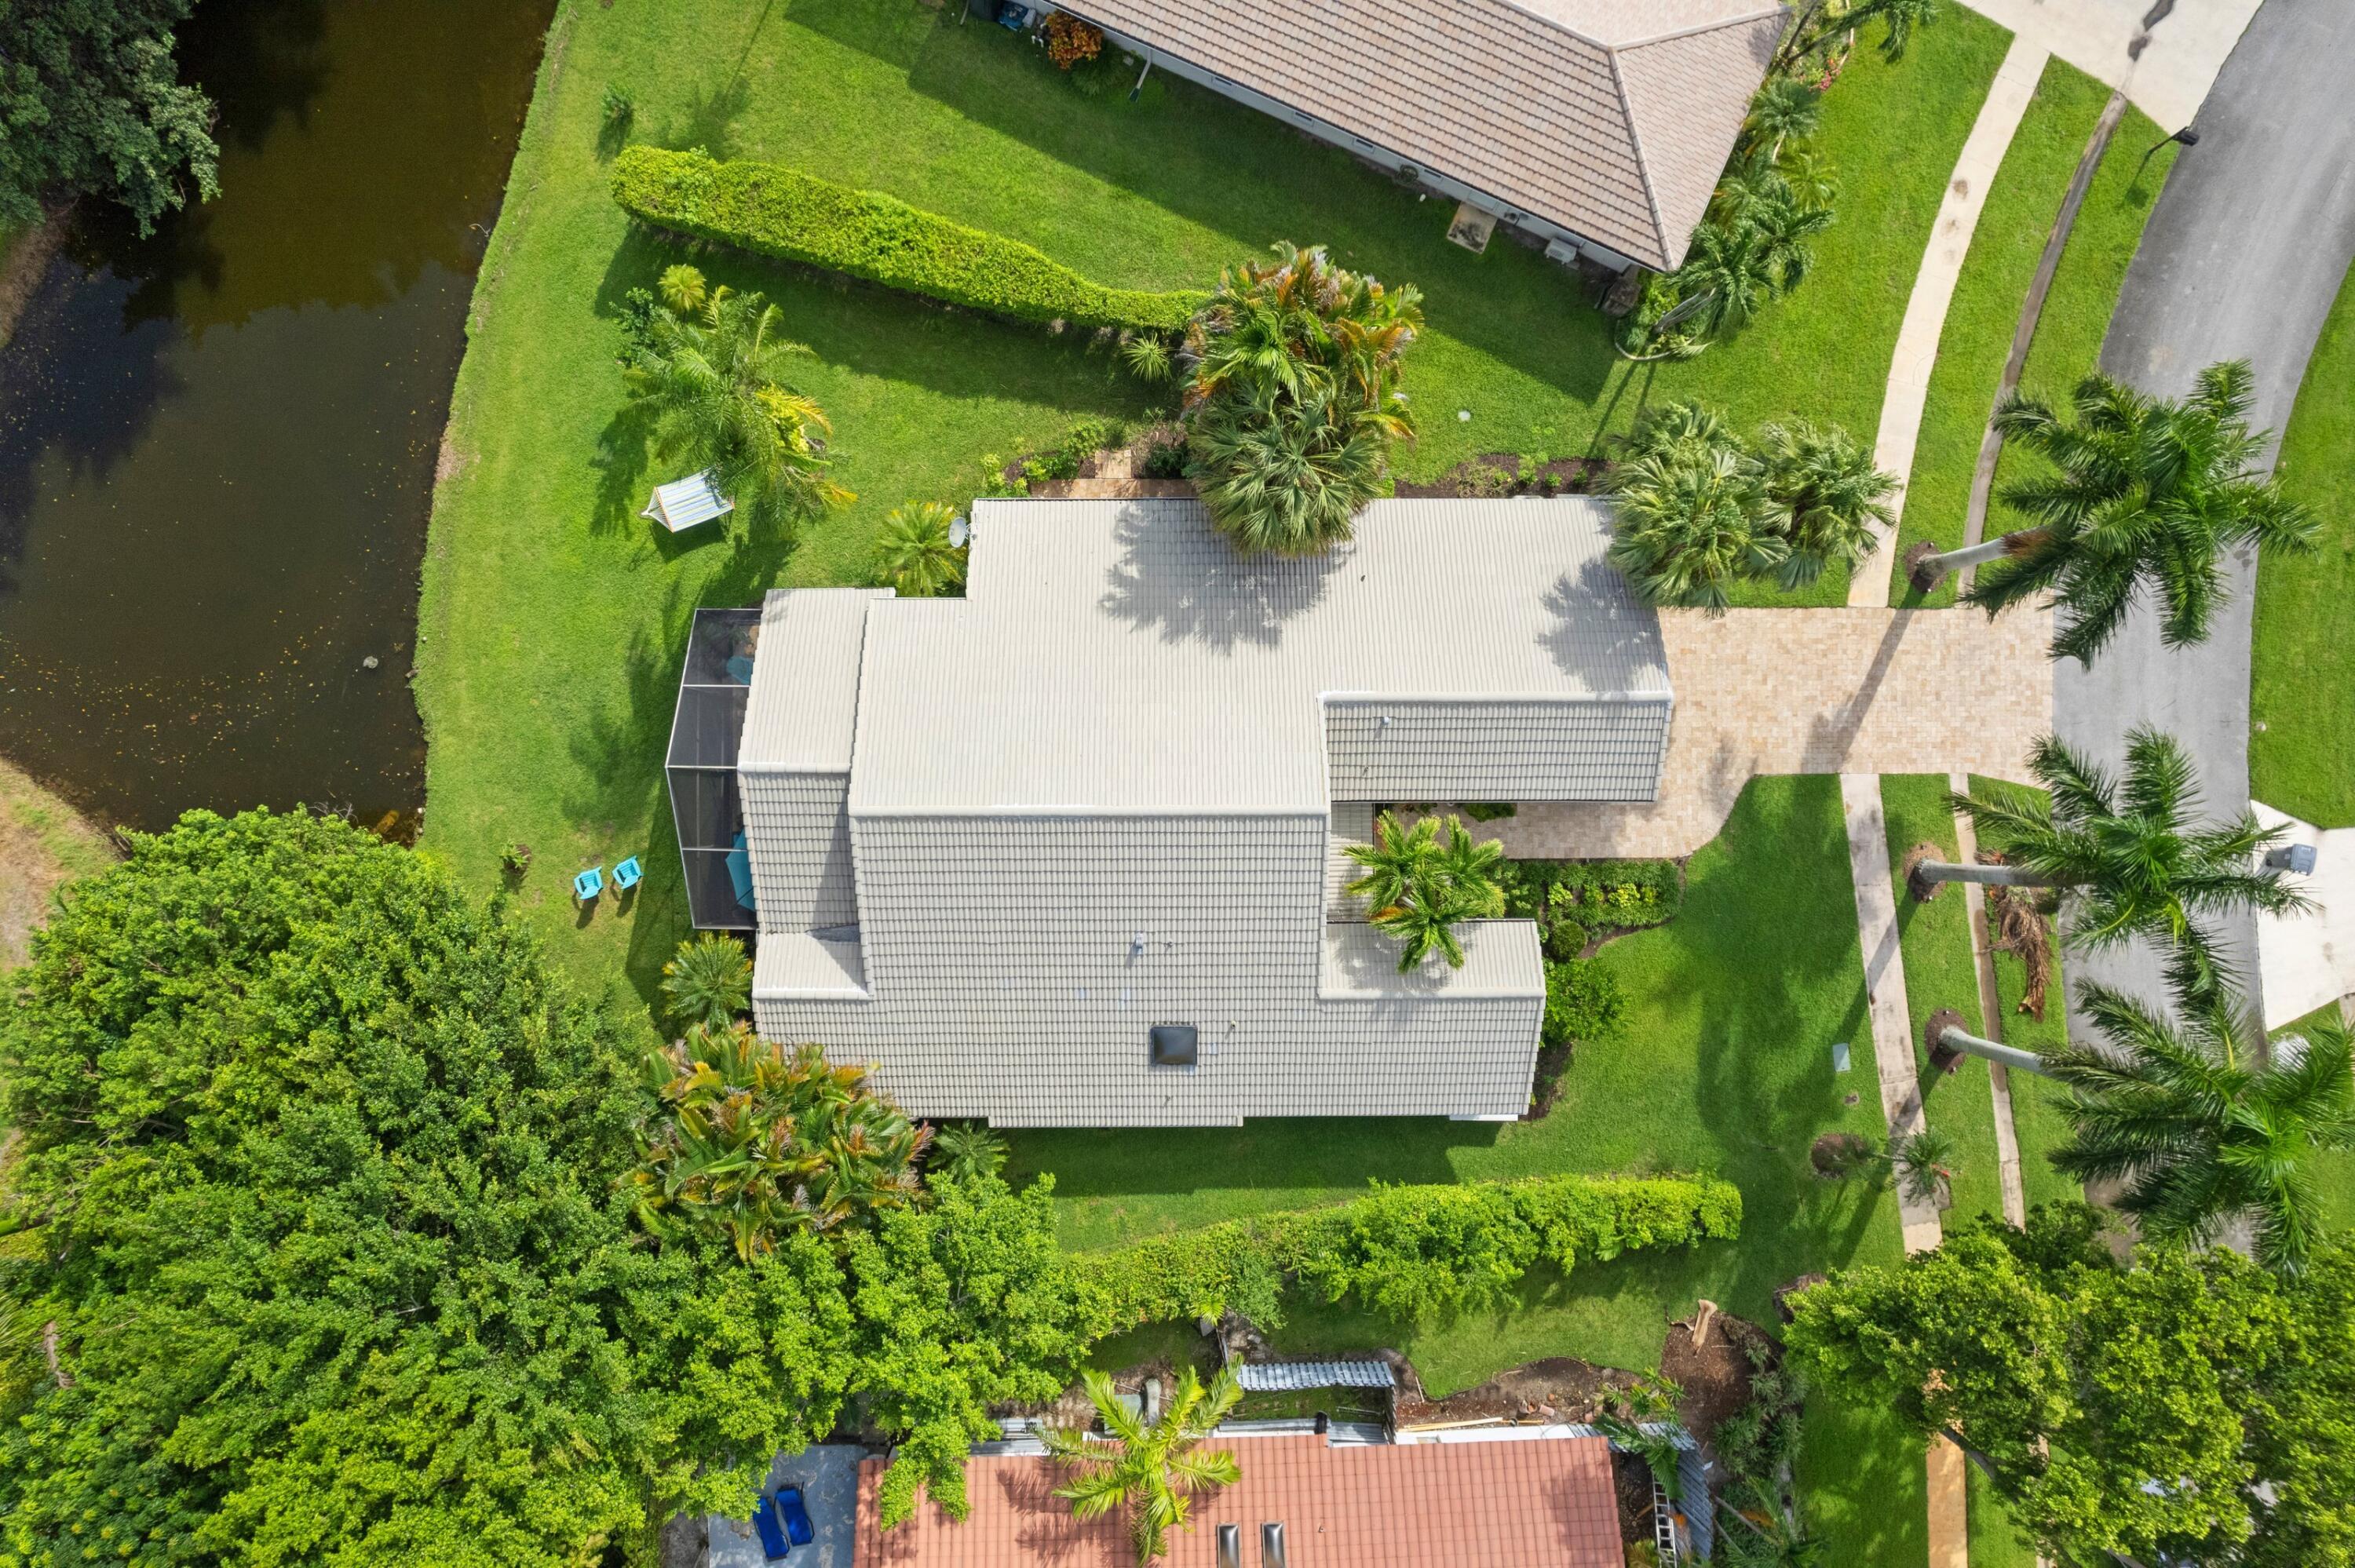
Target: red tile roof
(1541, 1504)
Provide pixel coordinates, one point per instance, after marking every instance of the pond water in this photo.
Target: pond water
(218, 442)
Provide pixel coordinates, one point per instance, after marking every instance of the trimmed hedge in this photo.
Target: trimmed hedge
(782, 212)
(1409, 1251)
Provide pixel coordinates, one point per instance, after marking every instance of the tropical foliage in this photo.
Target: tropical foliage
(913, 552)
(1291, 397)
(709, 981)
(2140, 496)
(966, 1151)
(710, 384)
(93, 101)
(1821, 32)
(2190, 1407)
(2200, 1129)
(1419, 889)
(2140, 857)
(1699, 513)
(1150, 1469)
(754, 1140)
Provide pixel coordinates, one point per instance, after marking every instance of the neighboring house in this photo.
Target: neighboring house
(1066, 850)
(1302, 1502)
(1600, 126)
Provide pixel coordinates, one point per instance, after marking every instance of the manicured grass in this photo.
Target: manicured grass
(1863, 1486)
(2036, 1110)
(2005, 249)
(1936, 938)
(1994, 1543)
(2302, 681)
(551, 620)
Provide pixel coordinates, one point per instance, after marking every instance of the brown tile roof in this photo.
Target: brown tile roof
(1611, 117)
(1543, 1503)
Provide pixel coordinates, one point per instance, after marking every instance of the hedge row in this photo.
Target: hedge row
(782, 212)
(1412, 1252)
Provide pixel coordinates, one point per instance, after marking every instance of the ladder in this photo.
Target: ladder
(1664, 1526)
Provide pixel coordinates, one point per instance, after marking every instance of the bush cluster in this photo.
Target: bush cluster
(1583, 1002)
(782, 212)
(1570, 899)
(1411, 1251)
(1001, 476)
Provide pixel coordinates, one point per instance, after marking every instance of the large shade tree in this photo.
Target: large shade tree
(1292, 400)
(2140, 498)
(2135, 854)
(2183, 1408)
(92, 101)
(1149, 1469)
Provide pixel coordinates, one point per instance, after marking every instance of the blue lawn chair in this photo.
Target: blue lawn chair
(797, 1519)
(588, 884)
(739, 874)
(771, 1530)
(627, 875)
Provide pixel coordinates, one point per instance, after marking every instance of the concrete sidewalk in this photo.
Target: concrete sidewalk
(1934, 290)
(2166, 75)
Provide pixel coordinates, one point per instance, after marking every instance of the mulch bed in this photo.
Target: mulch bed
(1715, 1376)
(1499, 474)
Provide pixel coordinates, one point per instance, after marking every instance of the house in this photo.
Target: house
(1303, 1502)
(1597, 126)
(1068, 851)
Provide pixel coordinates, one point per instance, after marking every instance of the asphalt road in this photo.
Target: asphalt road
(2243, 257)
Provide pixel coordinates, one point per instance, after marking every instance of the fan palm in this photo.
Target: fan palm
(753, 1141)
(1150, 1470)
(1822, 480)
(2136, 853)
(913, 552)
(711, 382)
(1692, 518)
(1286, 475)
(2144, 495)
(2200, 1132)
(709, 981)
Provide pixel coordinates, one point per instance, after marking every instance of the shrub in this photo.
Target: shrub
(1595, 894)
(1165, 460)
(1583, 1002)
(1071, 41)
(1418, 1251)
(782, 212)
(619, 107)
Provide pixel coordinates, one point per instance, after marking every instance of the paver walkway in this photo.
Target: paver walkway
(2308, 960)
(2166, 66)
(1933, 290)
(1814, 691)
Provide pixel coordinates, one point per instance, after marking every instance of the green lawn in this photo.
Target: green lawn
(1936, 938)
(1985, 312)
(551, 620)
(2302, 682)
(1993, 1544)
(2035, 1113)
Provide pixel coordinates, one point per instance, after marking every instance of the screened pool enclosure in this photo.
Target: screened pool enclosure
(704, 735)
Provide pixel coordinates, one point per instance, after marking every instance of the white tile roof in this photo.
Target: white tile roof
(1120, 657)
(1500, 959)
(806, 681)
(1611, 117)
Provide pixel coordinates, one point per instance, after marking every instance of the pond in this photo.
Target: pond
(218, 442)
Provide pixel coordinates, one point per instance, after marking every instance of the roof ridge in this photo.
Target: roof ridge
(1744, 20)
(1635, 141)
(1556, 23)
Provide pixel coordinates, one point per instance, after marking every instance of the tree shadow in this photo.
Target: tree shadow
(707, 120)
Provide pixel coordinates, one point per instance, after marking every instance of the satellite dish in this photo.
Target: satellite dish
(960, 531)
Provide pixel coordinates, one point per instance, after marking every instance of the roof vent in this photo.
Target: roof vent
(1231, 1546)
(1271, 1545)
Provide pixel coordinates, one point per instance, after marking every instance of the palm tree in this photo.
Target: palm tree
(682, 289)
(709, 981)
(2140, 859)
(2146, 496)
(1756, 249)
(1420, 892)
(1288, 474)
(1786, 110)
(753, 1141)
(913, 552)
(1151, 1471)
(2199, 1130)
(967, 1152)
(1924, 1164)
(1692, 518)
(1823, 481)
(1817, 23)
(711, 384)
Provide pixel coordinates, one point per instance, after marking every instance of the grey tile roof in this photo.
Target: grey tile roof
(797, 964)
(1119, 657)
(1274, 1377)
(1611, 117)
(1500, 959)
(806, 681)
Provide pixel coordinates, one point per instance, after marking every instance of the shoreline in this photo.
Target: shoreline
(44, 844)
(26, 263)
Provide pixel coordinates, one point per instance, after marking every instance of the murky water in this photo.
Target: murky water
(217, 443)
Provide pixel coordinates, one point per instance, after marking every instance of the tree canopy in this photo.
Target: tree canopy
(2190, 1407)
(91, 100)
